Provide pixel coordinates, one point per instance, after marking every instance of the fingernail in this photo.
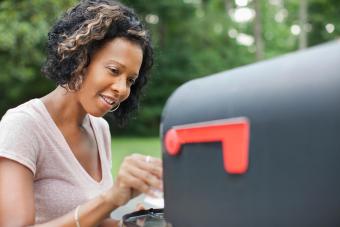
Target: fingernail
(157, 193)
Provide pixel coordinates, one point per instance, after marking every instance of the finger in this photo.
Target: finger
(153, 160)
(147, 158)
(154, 166)
(151, 180)
(154, 170)
(132, 177)
(139, 207)
(128, 180)
(148, 163)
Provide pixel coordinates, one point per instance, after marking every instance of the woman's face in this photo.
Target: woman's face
(109, 76)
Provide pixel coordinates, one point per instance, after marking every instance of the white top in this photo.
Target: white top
(29, 136)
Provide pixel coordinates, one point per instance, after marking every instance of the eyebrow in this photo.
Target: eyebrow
(123, 66)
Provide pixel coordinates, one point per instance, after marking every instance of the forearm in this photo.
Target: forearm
(109, 223)
(91, 213)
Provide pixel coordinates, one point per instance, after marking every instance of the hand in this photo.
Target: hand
(137, 174)
(139, 207)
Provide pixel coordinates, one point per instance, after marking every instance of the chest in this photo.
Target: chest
(84, 147)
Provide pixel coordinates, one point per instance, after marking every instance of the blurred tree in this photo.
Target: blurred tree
(259, 45)
(324, 21)
(23, 27)
(303, 13)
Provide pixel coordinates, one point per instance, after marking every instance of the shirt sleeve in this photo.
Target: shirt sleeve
(18, 140)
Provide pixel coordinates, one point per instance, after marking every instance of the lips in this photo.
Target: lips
(108, 99)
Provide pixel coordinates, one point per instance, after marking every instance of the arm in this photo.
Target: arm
(17, 201)
(109, 223)
(17, 196)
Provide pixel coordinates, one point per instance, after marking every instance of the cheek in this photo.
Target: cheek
(97, 76)
(125, 96)
(128, 92)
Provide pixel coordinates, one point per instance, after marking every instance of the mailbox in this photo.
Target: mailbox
(258, 145)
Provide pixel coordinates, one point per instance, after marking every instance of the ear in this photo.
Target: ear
(84, 71)
(80, 78)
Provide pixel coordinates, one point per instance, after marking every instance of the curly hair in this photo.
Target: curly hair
(83, 30)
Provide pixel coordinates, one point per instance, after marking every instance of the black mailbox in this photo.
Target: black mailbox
(256, 146)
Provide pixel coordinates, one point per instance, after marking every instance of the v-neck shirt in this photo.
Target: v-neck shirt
(29, 136)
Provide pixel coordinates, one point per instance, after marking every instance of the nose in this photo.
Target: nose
(119, 86)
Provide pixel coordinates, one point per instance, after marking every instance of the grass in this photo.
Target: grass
(122, 147)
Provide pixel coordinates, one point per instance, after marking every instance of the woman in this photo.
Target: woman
(55, 151)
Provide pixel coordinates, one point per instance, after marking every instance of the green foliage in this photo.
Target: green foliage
(192, 39)
(23, 27)
(324, 12)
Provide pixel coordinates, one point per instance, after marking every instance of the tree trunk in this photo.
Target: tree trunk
(228, 5)
(303, 21)
(258, 31)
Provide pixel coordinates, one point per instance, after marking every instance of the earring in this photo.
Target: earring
(115, 108)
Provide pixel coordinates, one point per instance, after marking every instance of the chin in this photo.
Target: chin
(97, 113)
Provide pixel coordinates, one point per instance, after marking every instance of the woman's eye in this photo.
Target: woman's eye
(114, 71)
(132, 81)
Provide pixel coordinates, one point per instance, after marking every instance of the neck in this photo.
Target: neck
(64, 107)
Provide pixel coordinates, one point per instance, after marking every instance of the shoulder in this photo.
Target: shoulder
(20, 128)
(22, 117)
(18, 136)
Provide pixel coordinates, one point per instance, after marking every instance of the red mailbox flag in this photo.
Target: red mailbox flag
(233, 133)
